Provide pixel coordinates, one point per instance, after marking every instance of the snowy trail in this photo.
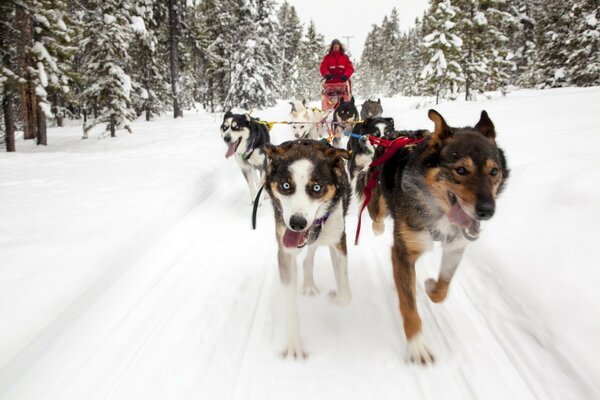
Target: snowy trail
(196, 313)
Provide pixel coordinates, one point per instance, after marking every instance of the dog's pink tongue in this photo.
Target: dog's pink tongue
(459, 217)
(292, 238)
(231, 147)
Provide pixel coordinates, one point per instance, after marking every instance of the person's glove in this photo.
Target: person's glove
(328, 76)
(344, 78)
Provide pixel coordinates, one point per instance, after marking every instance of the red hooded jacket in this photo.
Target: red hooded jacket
(337, 65)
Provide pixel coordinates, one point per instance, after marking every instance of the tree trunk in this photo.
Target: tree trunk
(9, 120)
(112, 126)
(28, 106)
(42, 136)
(174, 55)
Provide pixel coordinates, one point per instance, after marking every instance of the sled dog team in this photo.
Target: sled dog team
(438, 189)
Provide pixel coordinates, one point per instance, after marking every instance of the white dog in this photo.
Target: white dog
(314, 127)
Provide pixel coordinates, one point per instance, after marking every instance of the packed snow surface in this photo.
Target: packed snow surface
(128, 270)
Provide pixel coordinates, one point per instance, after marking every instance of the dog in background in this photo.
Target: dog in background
(440, 190)
(314, 118)
(343, 117)
(371, 108)
(310, 193)
(362, 151)
(244, 137)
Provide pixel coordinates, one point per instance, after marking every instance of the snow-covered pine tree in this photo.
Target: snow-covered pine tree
(289, 36)
(369, 68)
(552, 30)
(148, 69)
(523, 44)
(312, 47)
(413, 61)
(105, 44)
(218, 41)
(43, 55)
(584, 41)
(496, 50)
(443, 75)
(393, 50)
(8, 77)
(267, 60)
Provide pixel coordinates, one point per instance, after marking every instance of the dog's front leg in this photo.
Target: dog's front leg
(309, 288)
(289, 279)
(249, 175)
(452, 254)
(403, 260)
(339, 259)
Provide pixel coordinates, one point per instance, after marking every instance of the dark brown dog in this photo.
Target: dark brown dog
(438, 190)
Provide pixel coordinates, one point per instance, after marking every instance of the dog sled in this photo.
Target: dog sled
(334, 92)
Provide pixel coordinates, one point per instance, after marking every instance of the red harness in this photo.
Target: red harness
(391, 147)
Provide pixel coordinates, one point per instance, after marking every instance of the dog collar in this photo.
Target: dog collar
(315, 229)
(246, 155)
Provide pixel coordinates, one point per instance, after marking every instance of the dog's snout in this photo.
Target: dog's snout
(227, 139)
(297, 223)
(485, 210)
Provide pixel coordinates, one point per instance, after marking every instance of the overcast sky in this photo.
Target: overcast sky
(337, 18)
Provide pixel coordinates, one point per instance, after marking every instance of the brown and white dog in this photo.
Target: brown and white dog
(310, 193)
(439, 190)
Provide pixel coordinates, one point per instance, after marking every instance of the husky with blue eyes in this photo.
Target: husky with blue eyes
(310, 193)
(244, 137)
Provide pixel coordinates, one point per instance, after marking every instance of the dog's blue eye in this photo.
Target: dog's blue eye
(494, 171)
(461, 170)
(316, 188)
(285, 186)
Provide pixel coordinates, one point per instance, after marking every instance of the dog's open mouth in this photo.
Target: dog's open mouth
(295, 239)
(456, 215)
(232, 147)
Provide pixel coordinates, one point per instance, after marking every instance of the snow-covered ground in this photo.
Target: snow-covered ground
(128, 270)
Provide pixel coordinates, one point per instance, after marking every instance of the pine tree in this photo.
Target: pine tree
(8, 77)
(552, 30)
(312, 47)
(289, 35)
(443, 74)
(390, 46)
(106, 41)
(524, 45)
(149, 68)
(584, 40)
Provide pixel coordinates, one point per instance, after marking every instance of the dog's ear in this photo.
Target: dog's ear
(304, 102)
(293, 106)
(334, 152)
(338, 157)
(272, 152)
(390, 121)
(379, 100)
(486, 126)
(228, 114)
(352, 99)
(441, 131)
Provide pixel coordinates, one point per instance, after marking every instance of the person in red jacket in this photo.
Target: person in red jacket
(336, 65)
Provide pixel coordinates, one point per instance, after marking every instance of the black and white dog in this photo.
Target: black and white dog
(362, 151)
(343, 117)
(244, 137)
(309, 189)
(370, 109)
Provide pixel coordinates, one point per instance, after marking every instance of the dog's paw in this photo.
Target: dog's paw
(436, 290)
(309, 289)
(417, 352)
(294, 351)
(378, 228)
(341, 299)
